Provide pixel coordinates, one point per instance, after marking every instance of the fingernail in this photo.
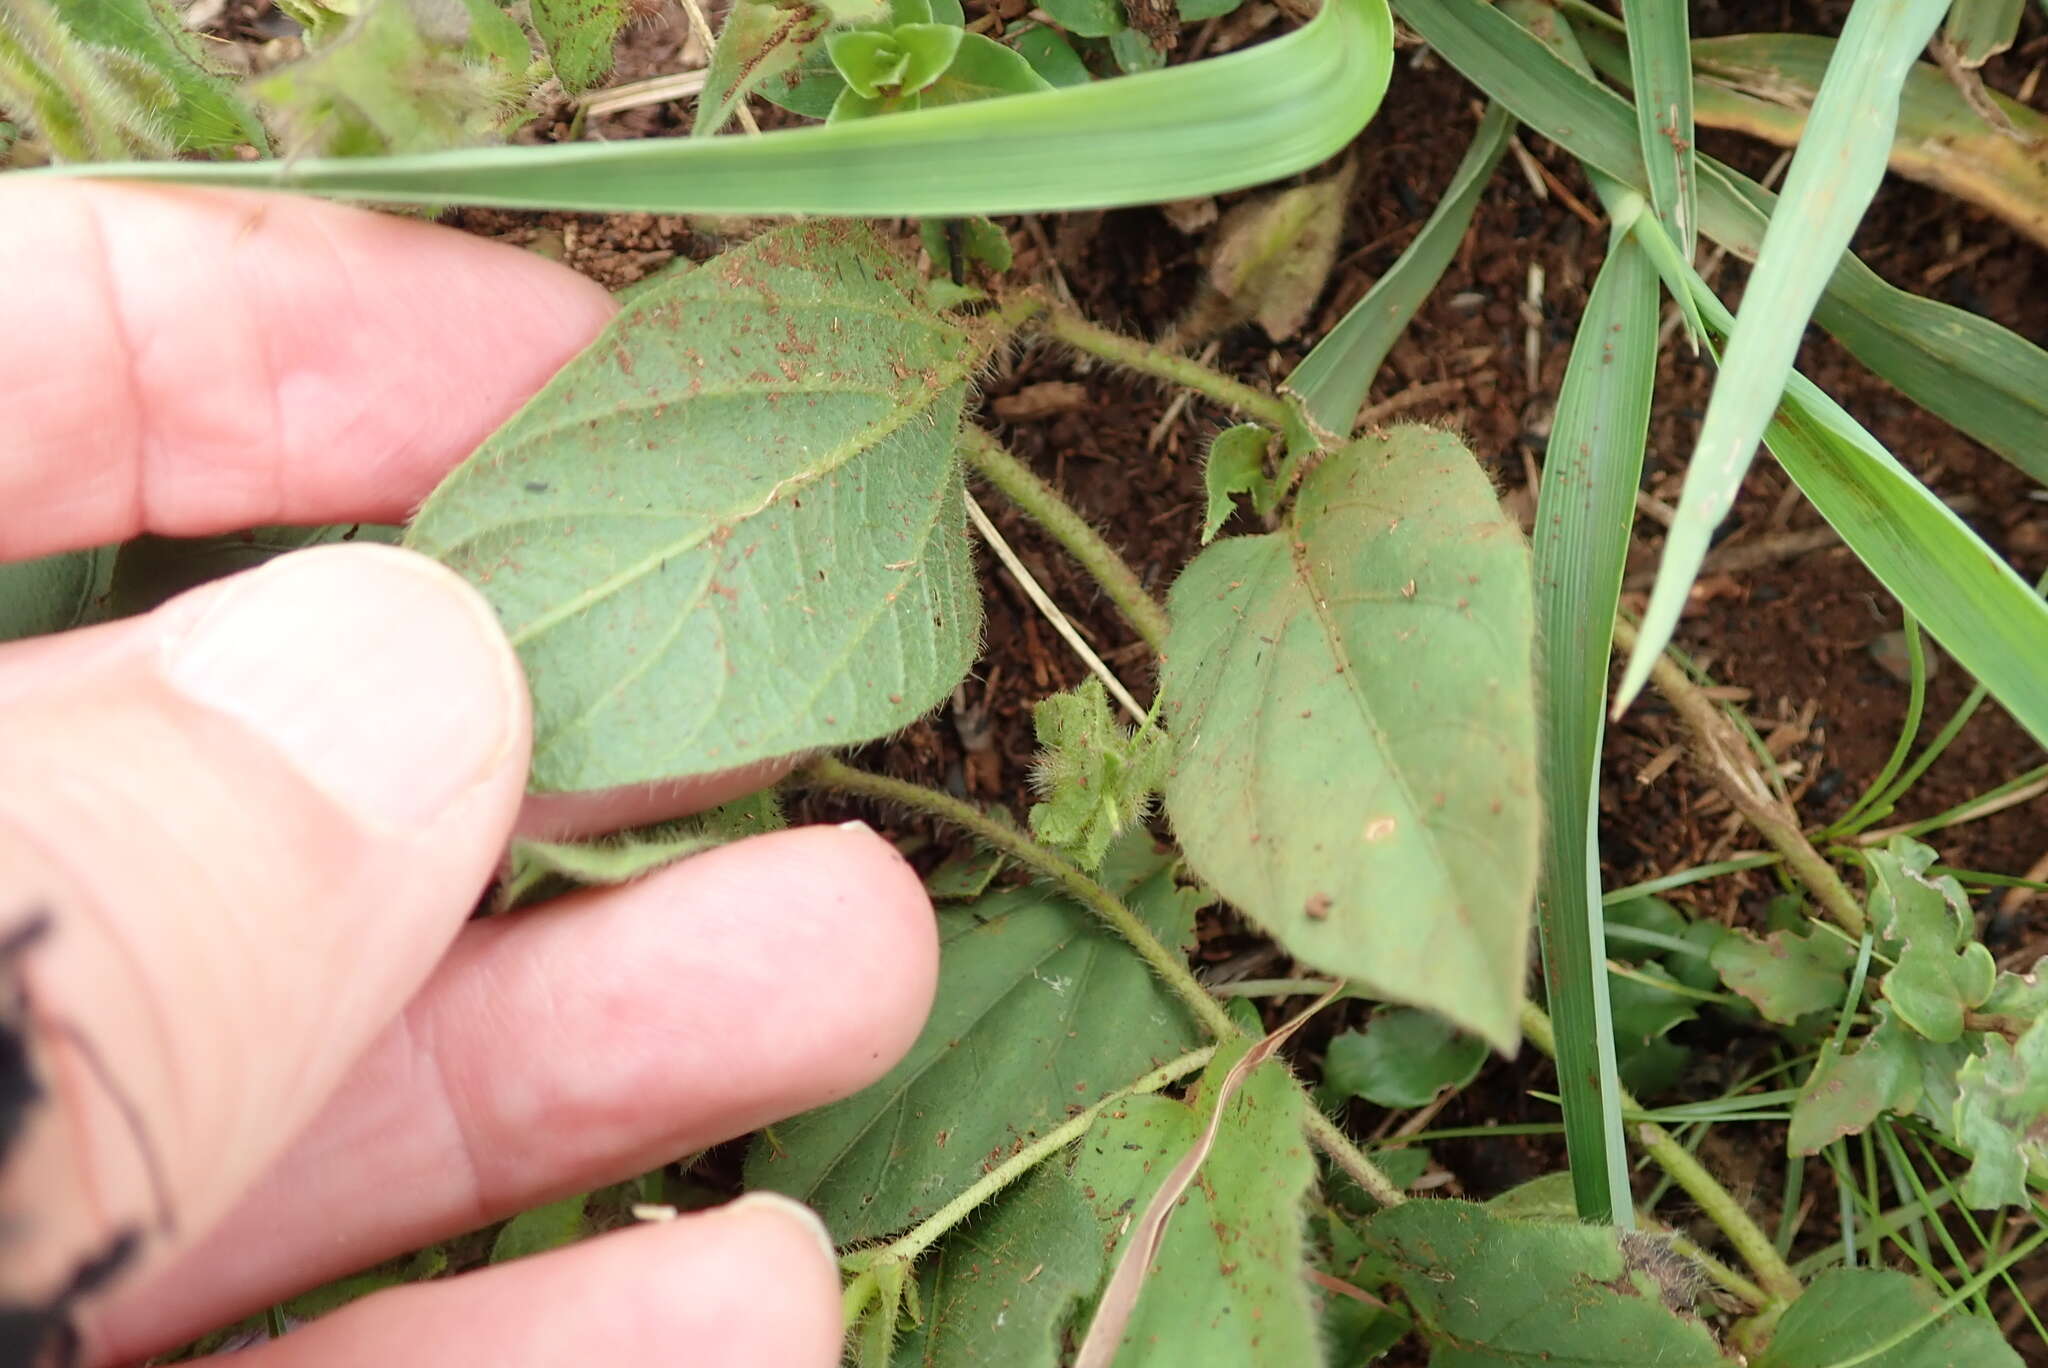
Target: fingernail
(377, 674)
(797, 1214)
(857, 825)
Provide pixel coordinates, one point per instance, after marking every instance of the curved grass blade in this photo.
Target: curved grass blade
(1834, 175)
(1583, 518)
(1986, 380)
(1660, 57)
(1333, 379)
(1215, 125)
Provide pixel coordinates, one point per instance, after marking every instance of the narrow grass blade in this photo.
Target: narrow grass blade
(1834, 174)
(1986, 380)
(1209, 126)
(1660, 58)
(1333, 379)
(1583, 518)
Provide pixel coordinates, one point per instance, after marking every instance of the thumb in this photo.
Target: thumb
(247, 826)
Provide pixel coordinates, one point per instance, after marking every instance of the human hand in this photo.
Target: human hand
(266, 1039)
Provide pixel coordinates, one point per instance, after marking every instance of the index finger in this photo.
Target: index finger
(190, 362)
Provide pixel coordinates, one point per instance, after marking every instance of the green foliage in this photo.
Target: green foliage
(1787, 976)
(1942, 969)
(1097, 776)
(152, 570)
(709, 611)
(900, 61)
(543, 1228)
(1227, 1288)
(1052, 56)
(1088, 18)
(965, 242)
(406, 76)
(54, 593)
(1236, 464)
(1038, 1007)
(1488, 1292)
(547, 867)
(998, 1291)
(1850, 1088)
(1272, 253)
(2001, 1116)
(1877, 1318)
(772, 49)
(578, 36)
(1403, 1058)
(1352, 709)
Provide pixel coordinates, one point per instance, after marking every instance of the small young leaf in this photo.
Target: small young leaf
(1352, 706)
(1786, 976)
(872, 62)
(1847, 1090)
(928, 50)
(999, 1289)
(1052, 56)
(1227, 1288)
(1097, 776)
(1942, 969)
(1236, 464)
(978, 241)
(1037, 1006)
(1488, 1292)
(1403, 1058)
(578, 36)
(668, 530)
(1849, 1312)
(982, 69)
(1088, 18)
(540, 1229)
(851, 104)
(2001, 1117)
(628, 855)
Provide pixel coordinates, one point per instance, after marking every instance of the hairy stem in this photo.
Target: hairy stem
(1043, 504)
(1351, 1158)
(829, 773)
(1082, 335)
(1773, 1274)
(1725, 757)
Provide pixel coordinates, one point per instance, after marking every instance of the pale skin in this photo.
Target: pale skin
(257, 820)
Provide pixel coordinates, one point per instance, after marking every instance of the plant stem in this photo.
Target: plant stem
(1721, 1273)
(863, 1262)
(1351, 1158)
(1723, 753)
(1082, 335)
(1773, 1274)
(1043, 504)
(829, 773)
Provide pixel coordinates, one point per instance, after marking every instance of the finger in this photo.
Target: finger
(565, 816)
(750, 1285)
(208, 360)
(254, 823)
(572, 1046)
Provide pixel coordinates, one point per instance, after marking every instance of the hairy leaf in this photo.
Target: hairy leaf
(1037, 1008)
(578, 36)
(775, 50)
(2001, 1117)
(1786, 976)
(1942, 968)
(1403, 1058)
(1488, 1292)
(628, 855)
(1000, 1288)
(1850, 1312)
(1097, 775)
(1352, 707)
(732, 528)
(1227, 1289)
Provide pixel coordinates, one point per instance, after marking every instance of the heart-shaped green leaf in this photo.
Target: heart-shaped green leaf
(732, 528)
(1352, 704)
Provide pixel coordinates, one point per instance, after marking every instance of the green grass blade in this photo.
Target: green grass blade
(1834, 174)
(1583, 518)
(1986, 380)
(1333, 379)
(1660, 56)
(1209, 126)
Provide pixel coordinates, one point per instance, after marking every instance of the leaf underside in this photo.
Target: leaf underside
(732, 528)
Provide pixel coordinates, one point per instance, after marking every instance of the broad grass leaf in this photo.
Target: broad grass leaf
(1228, 1288)
(999, 1290)
(1039, 1011)
(732, 528)
(53, 593)
(1848, 1312)
(1354, 719)
(1489, 1292)
(2001, 1117)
